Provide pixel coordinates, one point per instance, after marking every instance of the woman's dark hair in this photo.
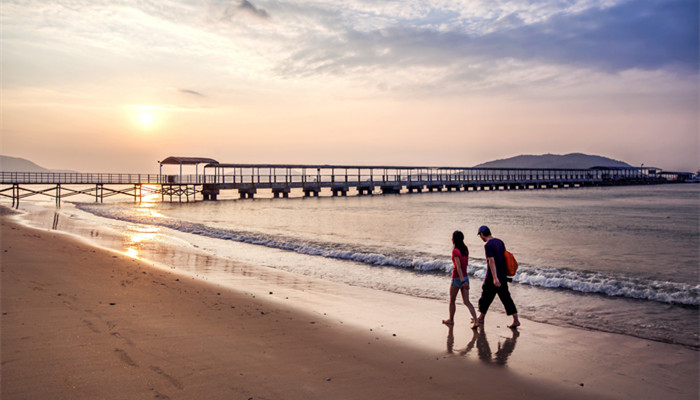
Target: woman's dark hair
(458, 239)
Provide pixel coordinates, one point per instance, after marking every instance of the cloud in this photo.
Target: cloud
(192, 92)
(251, 9)
(635, 34)
(244, 7)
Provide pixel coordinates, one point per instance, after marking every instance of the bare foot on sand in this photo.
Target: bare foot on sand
(448, 322)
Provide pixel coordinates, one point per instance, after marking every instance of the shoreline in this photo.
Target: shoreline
(171, 335)
(210, 258)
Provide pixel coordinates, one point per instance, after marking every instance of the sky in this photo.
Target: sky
(117, 85)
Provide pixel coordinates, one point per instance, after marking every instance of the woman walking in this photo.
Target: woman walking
(460, 280)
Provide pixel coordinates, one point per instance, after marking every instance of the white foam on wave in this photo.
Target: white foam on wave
(595, 282)
(545, 277)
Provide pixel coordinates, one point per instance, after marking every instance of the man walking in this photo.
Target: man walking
(496, 281)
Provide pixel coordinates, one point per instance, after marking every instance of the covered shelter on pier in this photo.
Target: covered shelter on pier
(186, 161)
(675, 176)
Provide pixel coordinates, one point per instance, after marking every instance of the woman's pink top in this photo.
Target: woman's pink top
(463, 260)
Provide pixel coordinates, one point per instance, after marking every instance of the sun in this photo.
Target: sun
(146, 118)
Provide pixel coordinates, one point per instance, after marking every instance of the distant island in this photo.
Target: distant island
(16, 164)
(573, 160)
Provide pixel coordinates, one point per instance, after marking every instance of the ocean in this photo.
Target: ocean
(616, 259)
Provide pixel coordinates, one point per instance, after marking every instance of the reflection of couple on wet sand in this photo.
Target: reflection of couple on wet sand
(505, 348)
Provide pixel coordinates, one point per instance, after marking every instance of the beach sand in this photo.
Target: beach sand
(80, 322)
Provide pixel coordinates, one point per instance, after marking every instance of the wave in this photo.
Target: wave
(537, 276)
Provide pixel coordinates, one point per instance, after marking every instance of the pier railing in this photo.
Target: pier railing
(281, 179)
(52, 178)
(265, 174)
(324, 174)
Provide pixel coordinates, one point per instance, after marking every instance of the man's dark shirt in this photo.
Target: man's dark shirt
(495, 248)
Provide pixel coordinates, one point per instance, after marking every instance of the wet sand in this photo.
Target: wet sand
(84, 322)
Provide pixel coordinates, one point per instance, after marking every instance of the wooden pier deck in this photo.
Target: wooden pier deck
(313, 180)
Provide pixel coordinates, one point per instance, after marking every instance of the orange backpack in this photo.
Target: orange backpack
(511, 264)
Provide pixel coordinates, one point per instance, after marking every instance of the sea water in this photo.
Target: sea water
(614, 259)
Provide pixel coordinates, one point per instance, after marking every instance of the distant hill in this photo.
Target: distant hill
(573, 160)
(14, 164)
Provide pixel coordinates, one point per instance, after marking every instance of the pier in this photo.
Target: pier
(339, 180)
(246, 180)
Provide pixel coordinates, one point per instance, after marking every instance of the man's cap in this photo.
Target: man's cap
(482, 229)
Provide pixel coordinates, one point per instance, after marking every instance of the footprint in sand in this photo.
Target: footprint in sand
(170, 379)
(91, 326)
(125, 358)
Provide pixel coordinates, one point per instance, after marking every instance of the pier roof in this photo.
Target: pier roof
(188, 161)
(414, 167)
